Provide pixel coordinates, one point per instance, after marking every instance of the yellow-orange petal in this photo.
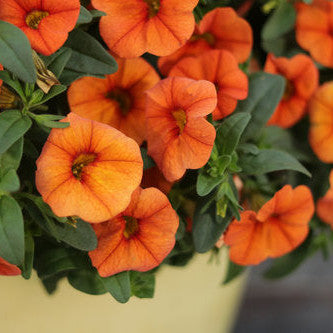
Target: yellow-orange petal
(179, 137)
(119, 99)
(147, 245)
(324, 205)
(321, 122)
(101, 188)
(130, 30)
(220, 68)
(8, 269)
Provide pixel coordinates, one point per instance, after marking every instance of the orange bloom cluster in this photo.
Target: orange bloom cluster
(324, 205)
(321, 122)
(221, 28)
(118, 100)
(153, 177)
(314, 30)
(178, 135)
(88, 169)
(8, 269)
(133, 27)
(302, 80)
(139, 238)
(45, 22)
(221, 68)
(279, 227)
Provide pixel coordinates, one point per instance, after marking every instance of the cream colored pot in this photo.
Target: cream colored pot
(187, 300)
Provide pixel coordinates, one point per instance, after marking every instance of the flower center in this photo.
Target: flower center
(122, 97)
(80, 162)
(34, 18)
(153, 7)
(180, 117)
(132, 226)
(288, 91)
(207, 36)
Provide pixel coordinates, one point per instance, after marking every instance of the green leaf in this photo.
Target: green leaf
(49, 120)
(81, 237)
(265, 92)
(58, 260)
(287, 264)
(15, 84)
(207, 226)
(11, 231)
(148, 162)
(13, 125)
(280, 22)
(269, 160)
(68, 76)
(233, 272)
(11, 158)
(207, 183)
(84, 17)
(57, 61)
(89, 56)
(142, 284)
(29, 255)
(97, 13)
(54, 91)
(16, 53)
(9, 181)
(119, 286)
(229, 132)
(87, 281)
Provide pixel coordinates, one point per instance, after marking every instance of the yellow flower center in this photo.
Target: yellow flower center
(207, 36)
(80, 162)
(34, 18)
(122, 97)
(288, 91)
(132, 226)
(153, 7)
(180, 117)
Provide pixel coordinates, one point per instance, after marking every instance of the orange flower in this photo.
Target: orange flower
(314, 31)
(153, 177)
(279, 227)
(324, 206)
(8, 269)
(321, 122)
(88, 169)
(45, 22)
(133, 27)
(221, 68)
(139, 238)
(178, 135)
(221, 28)
(301, 82)
(118, 100)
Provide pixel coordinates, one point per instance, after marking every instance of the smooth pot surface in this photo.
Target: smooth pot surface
(189, 299)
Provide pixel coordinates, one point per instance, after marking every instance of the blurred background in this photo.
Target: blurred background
(301, 302)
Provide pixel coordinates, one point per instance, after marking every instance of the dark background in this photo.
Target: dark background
(301, 302)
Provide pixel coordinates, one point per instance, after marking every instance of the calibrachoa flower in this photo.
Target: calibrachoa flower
(279, 227)
(178, 135)
(139, 238)
(221, 28)
(8, 269)
(118, 100)
(45, 22)
(314, 30)
(133, 27)
(324, 205)
(301, 82)
(321, 122)
(88, 170)
(221, 68)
